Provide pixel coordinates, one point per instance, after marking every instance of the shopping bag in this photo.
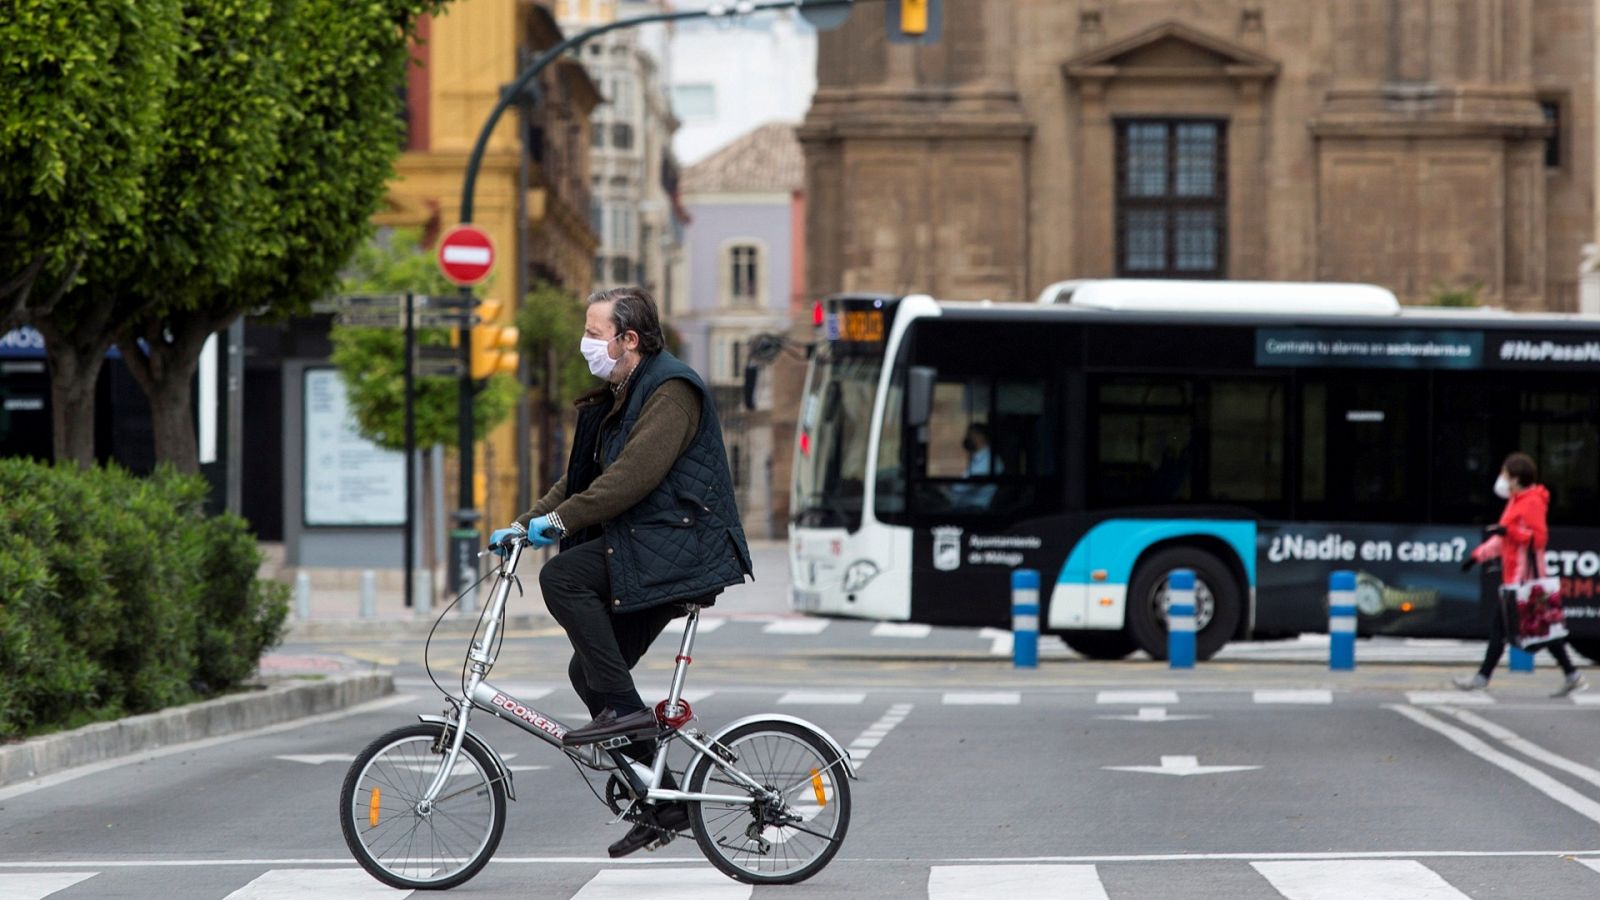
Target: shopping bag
(1533, 613)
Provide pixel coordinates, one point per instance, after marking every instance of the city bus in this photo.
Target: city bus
(1260, 434)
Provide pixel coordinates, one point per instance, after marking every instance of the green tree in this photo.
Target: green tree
(83, 90)
(274, 144)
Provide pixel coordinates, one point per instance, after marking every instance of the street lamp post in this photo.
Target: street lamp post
(466, 516)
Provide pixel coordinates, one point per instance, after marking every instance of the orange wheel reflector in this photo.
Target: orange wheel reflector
(372, 808)
(816, 788)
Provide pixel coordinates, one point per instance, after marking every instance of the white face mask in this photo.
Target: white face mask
(599, 357)
(1502, 488)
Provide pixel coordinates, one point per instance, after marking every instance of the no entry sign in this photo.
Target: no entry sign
(466, 255)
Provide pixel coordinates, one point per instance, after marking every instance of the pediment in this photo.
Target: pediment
(1172, 50)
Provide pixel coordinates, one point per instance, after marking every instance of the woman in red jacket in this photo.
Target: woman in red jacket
(1519, 540)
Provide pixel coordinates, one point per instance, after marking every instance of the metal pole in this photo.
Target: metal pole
(466, 515)
(409, 552)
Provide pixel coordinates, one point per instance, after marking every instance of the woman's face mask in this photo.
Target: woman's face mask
(1502, 487)
(598, 355)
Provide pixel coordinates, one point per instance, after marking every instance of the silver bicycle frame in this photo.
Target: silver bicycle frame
(483, 695)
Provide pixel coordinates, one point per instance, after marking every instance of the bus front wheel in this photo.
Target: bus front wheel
(1100, 644)
(1216, 594)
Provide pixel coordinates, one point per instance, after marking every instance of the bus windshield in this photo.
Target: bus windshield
(835, 424)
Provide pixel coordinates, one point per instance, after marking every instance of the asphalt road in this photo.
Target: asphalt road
(1242, 779)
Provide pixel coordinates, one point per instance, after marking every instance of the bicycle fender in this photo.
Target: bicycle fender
(503, 772)
(849, 765)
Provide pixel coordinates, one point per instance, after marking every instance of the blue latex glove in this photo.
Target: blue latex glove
(536, 532)
(497, 540)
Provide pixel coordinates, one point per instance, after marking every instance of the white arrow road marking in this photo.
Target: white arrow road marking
(1180, 766)
(1001, 645)
(1152, 714)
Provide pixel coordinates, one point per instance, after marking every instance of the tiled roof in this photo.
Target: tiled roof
(766, 160)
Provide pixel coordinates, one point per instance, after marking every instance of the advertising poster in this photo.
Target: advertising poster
(1408, 578)
(348, 479)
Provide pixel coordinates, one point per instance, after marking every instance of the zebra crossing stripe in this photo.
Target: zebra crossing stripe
(38, 885)
(1028, 882)
(1448, 698)
(297, 884)
(1357, 879)
(868, 740)
(663, 884)
(1137, 698)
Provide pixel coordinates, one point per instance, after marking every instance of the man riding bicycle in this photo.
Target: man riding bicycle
(646, 520)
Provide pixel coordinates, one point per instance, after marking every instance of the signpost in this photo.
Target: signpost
(466, 255)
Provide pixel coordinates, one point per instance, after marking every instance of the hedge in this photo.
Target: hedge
(119, 596)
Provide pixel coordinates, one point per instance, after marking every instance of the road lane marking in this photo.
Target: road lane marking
(706, 625)
(1015, 883)
(1590, 856)
(1448, 698)
(842, 698)
(1000, 641)
(1399, 879)
(52, 780)
(868, 740)
(1585, 699)
(1528, 748)
(796, 626)
(1137, 698)
(900, 630)
(663, 884)
(1541, 782)
(1152, 714)
(1292, 696)
(39, 885)
(297, 884)
(982, 698)
(1180, 766)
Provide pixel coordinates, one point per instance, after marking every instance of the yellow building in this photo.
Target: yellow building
(532, 191)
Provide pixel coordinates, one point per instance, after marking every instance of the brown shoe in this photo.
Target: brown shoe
(608, 724)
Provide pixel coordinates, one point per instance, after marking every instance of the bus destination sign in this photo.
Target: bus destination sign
(856, 326)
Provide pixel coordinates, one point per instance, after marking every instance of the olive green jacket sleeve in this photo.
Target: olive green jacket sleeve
(666, 426)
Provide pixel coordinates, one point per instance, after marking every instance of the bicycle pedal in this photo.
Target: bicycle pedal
(660, 842)
(614, 743)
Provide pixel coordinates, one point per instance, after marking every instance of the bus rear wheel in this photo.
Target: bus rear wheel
(1217, 601)
(1589, 647)
(1100, 644)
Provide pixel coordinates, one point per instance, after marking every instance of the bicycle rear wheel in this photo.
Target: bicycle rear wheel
(404, 843)
(761, 844)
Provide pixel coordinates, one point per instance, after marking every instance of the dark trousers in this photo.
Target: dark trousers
(605, 645)
(1497, 646)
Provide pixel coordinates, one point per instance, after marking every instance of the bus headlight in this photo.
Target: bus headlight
(860, 572)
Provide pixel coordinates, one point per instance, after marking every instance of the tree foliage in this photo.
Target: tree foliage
(266, 144)
(372, 360)
(83, 92)
(550, 327)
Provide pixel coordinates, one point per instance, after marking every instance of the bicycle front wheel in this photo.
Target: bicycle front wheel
(406, 843)
(773, 844)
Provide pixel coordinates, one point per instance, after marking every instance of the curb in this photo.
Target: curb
(345, 629)
(280, 702)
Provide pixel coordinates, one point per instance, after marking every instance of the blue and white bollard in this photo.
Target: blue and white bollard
(1024, 619)
(1521, 660)
(1342, 621)
(1180, 619)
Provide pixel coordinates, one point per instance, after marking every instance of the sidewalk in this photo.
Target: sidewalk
(332, 603)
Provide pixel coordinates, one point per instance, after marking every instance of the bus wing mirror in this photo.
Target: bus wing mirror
(919, 395)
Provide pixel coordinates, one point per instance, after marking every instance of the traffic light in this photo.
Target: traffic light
(913, 21)
(494, 346)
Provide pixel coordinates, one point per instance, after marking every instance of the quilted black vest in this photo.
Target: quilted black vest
(683, 541)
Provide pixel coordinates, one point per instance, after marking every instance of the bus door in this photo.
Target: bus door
(987, 462)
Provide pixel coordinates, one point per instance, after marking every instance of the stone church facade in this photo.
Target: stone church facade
(1417, 144)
